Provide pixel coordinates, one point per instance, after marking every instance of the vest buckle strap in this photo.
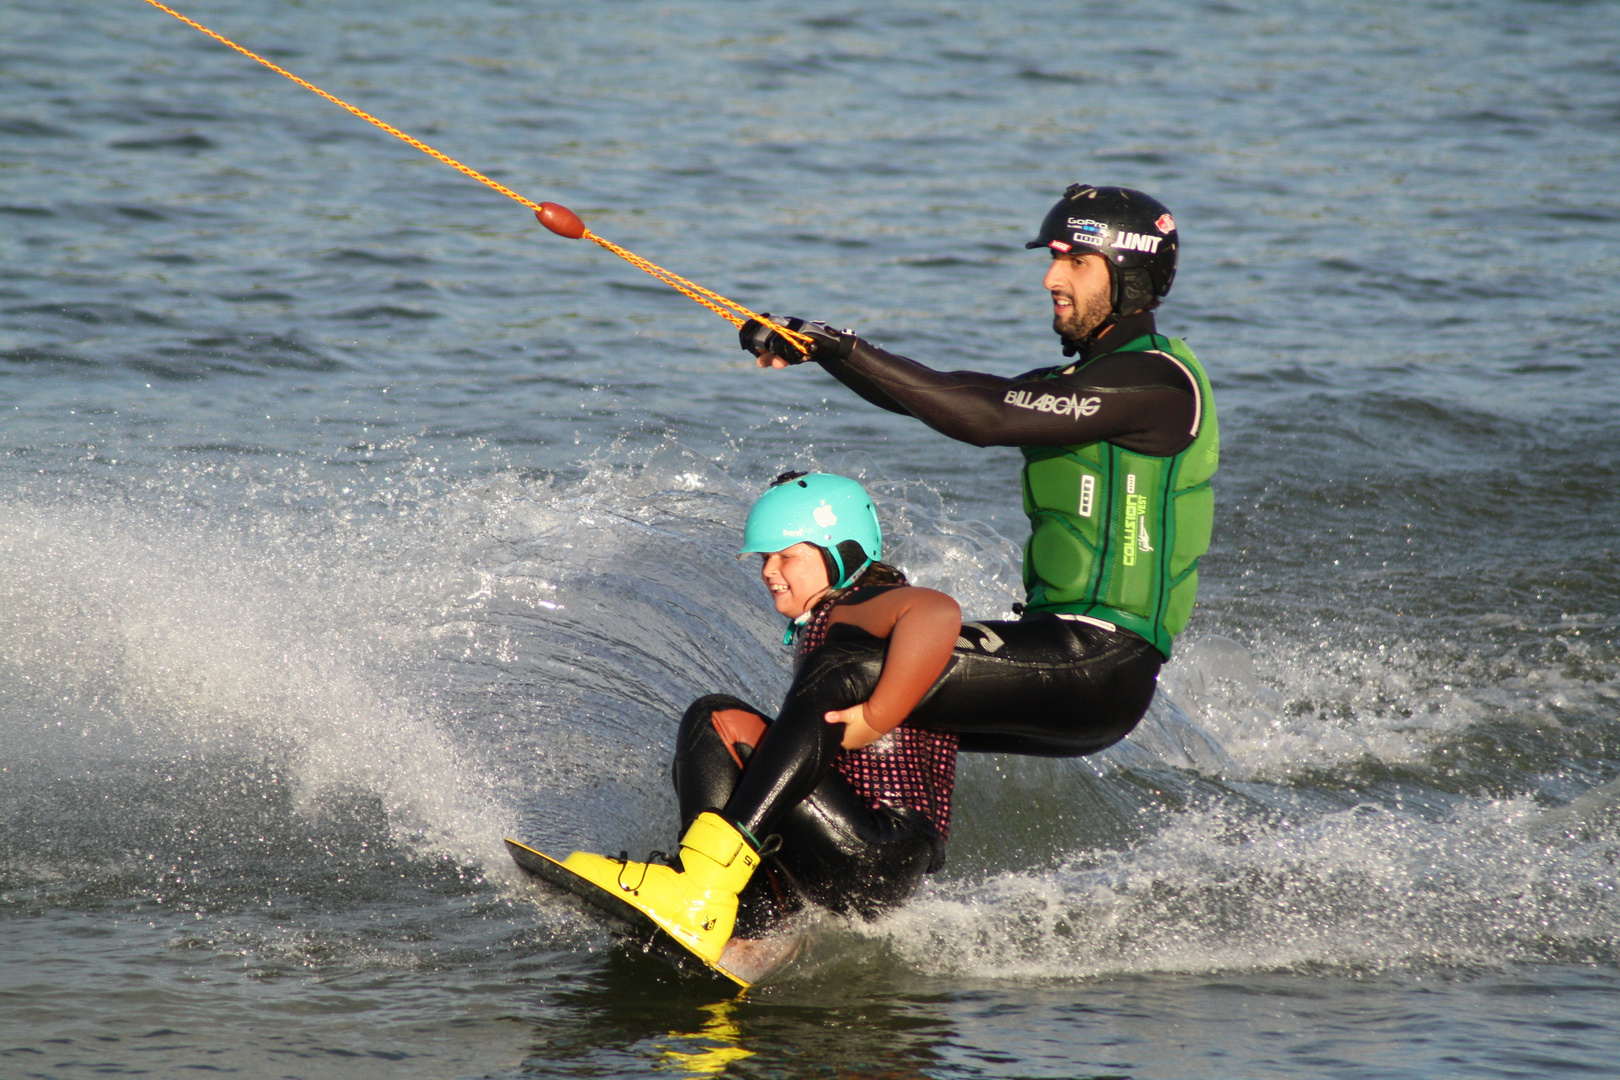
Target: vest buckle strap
(1088, 620)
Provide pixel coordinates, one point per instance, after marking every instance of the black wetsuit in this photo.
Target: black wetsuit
(1044, 685)
(835, 850)
(843, 849)
(1145, 402)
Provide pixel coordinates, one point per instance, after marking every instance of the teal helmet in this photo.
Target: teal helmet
(832, 512)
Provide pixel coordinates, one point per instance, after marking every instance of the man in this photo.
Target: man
(1119, 447)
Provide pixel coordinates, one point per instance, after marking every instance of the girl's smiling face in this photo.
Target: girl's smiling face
(797, 578)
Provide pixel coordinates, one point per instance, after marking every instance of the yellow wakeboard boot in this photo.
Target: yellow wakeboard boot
(697, 905)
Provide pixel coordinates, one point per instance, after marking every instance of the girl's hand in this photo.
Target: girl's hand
(857, 732)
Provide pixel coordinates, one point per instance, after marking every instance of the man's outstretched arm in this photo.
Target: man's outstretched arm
(1142, 401)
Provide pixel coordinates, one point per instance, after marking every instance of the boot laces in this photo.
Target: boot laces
(624, 864)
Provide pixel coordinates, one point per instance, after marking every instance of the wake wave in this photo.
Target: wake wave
(222, 668)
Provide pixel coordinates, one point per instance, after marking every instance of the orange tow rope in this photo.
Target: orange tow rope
(559, 219)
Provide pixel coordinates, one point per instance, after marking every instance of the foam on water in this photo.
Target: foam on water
(1265, 836)
(1248, 854)
(178, 633)
(474, 659)
(1365, 887)
(434, 664)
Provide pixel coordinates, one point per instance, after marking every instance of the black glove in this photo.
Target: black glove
(759, 337)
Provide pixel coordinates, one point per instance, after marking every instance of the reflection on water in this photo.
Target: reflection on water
(717, 1044)
(868, 1027)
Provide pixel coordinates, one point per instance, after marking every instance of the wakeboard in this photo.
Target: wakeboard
(743, 962)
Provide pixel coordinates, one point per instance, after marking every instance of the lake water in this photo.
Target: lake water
(350, 522)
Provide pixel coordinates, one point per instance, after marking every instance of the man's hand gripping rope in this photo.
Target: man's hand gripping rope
(765, 339)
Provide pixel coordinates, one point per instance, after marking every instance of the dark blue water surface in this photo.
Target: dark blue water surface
(349, 521)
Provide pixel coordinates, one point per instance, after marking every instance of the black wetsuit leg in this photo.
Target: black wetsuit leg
(1040, 686)
(850, 858)
(704, 771)
(835, 851)
(798, 752)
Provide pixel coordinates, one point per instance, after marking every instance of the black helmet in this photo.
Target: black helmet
(1133, 231)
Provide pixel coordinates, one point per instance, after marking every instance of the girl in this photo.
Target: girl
(852, 806)
(844, 805)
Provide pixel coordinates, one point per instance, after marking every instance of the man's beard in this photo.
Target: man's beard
(1083, 318)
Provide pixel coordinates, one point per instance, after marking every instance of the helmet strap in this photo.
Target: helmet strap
(852, 555)
(848, 553)
(794, 626)
(835, 566)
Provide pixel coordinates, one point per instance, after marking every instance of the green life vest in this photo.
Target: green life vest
(1116, 535)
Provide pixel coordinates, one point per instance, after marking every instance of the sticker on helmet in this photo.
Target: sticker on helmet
(824, 516)
(1165, 224)
(1130, 241)
(1058, 245)
(1087, 231)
